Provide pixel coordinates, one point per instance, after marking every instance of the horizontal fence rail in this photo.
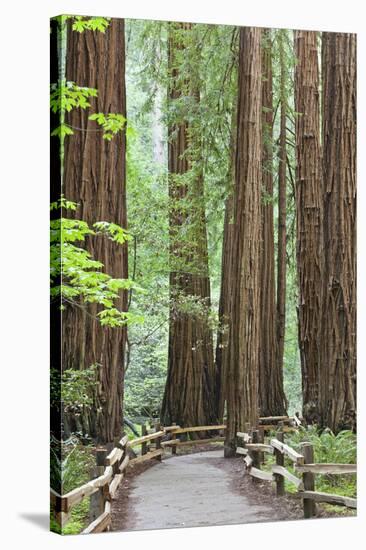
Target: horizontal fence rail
(253, 449)
(115, 465)
(303, 464)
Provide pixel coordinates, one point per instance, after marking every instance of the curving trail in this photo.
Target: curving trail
(193, 490)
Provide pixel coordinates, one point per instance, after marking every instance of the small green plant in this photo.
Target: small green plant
(330, 448)
(81, 23)
(76, 277)
(112, 123)
(70, 467)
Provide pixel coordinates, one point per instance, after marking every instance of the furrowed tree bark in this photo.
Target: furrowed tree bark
(281, 251)
(95, 178)
(309, 217)
(242, 381)
(189, 397)
(272, 400)
(338, 339)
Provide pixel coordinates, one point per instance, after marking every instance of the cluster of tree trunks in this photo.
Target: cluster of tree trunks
(248, 375)
(95, 178)
(326, 248)
(271, 398)
(326, 227)
(189, 397)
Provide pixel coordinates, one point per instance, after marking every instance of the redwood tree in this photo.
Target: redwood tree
(282, 233)
(272, 400)
(222, 347)
(94, 177)
(242, 379)
(338, 336)
(309, 217)
(189, 397)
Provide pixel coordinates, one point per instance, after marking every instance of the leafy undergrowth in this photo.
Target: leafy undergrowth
(328, 448)
(75, 470)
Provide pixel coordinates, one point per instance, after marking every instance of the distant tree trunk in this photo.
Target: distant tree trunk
(95, 178)
(189, 397)
(281, 251)
(222, 347)
(272, 400)
(222, 343)
(338, 338)
(242, 379)
(309, 217)
(157, 130)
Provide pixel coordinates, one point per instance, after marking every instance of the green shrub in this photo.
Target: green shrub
(71, 472)
(330, 448)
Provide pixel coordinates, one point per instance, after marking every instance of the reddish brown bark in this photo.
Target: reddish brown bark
(189, 397)
(282, 232)
(309, 217)
(94, 177)
(272, 400)
(242, 380)
(338, 338)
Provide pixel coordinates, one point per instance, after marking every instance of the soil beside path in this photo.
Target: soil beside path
(196, 490)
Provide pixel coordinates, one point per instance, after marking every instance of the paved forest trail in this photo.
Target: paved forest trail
(194, 490)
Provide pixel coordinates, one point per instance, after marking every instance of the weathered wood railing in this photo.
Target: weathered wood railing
(154, 443)
(303, 463)
(105, 486)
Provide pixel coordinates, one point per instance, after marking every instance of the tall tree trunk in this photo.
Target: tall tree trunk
(338, 339)
(309, 217)
(158, 130)
(242, 380)
(222, 343)
(95, 178)
(189, 397)
(281, 251)
(272, 400)
(55, 190)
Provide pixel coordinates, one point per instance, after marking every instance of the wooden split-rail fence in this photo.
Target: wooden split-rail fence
(112, 467)
(254, 448)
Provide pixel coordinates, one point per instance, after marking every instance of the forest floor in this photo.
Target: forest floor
(195, 490)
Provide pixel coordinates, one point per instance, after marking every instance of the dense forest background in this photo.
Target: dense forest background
(148, 344)
(203, 243)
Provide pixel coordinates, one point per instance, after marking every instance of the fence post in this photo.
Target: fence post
(144, 445)
(280, 460)
(117, 463)
(255, 454)
(309, 480)
(158, 440)
(261, 456)
(174, 437)
(96, 506)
